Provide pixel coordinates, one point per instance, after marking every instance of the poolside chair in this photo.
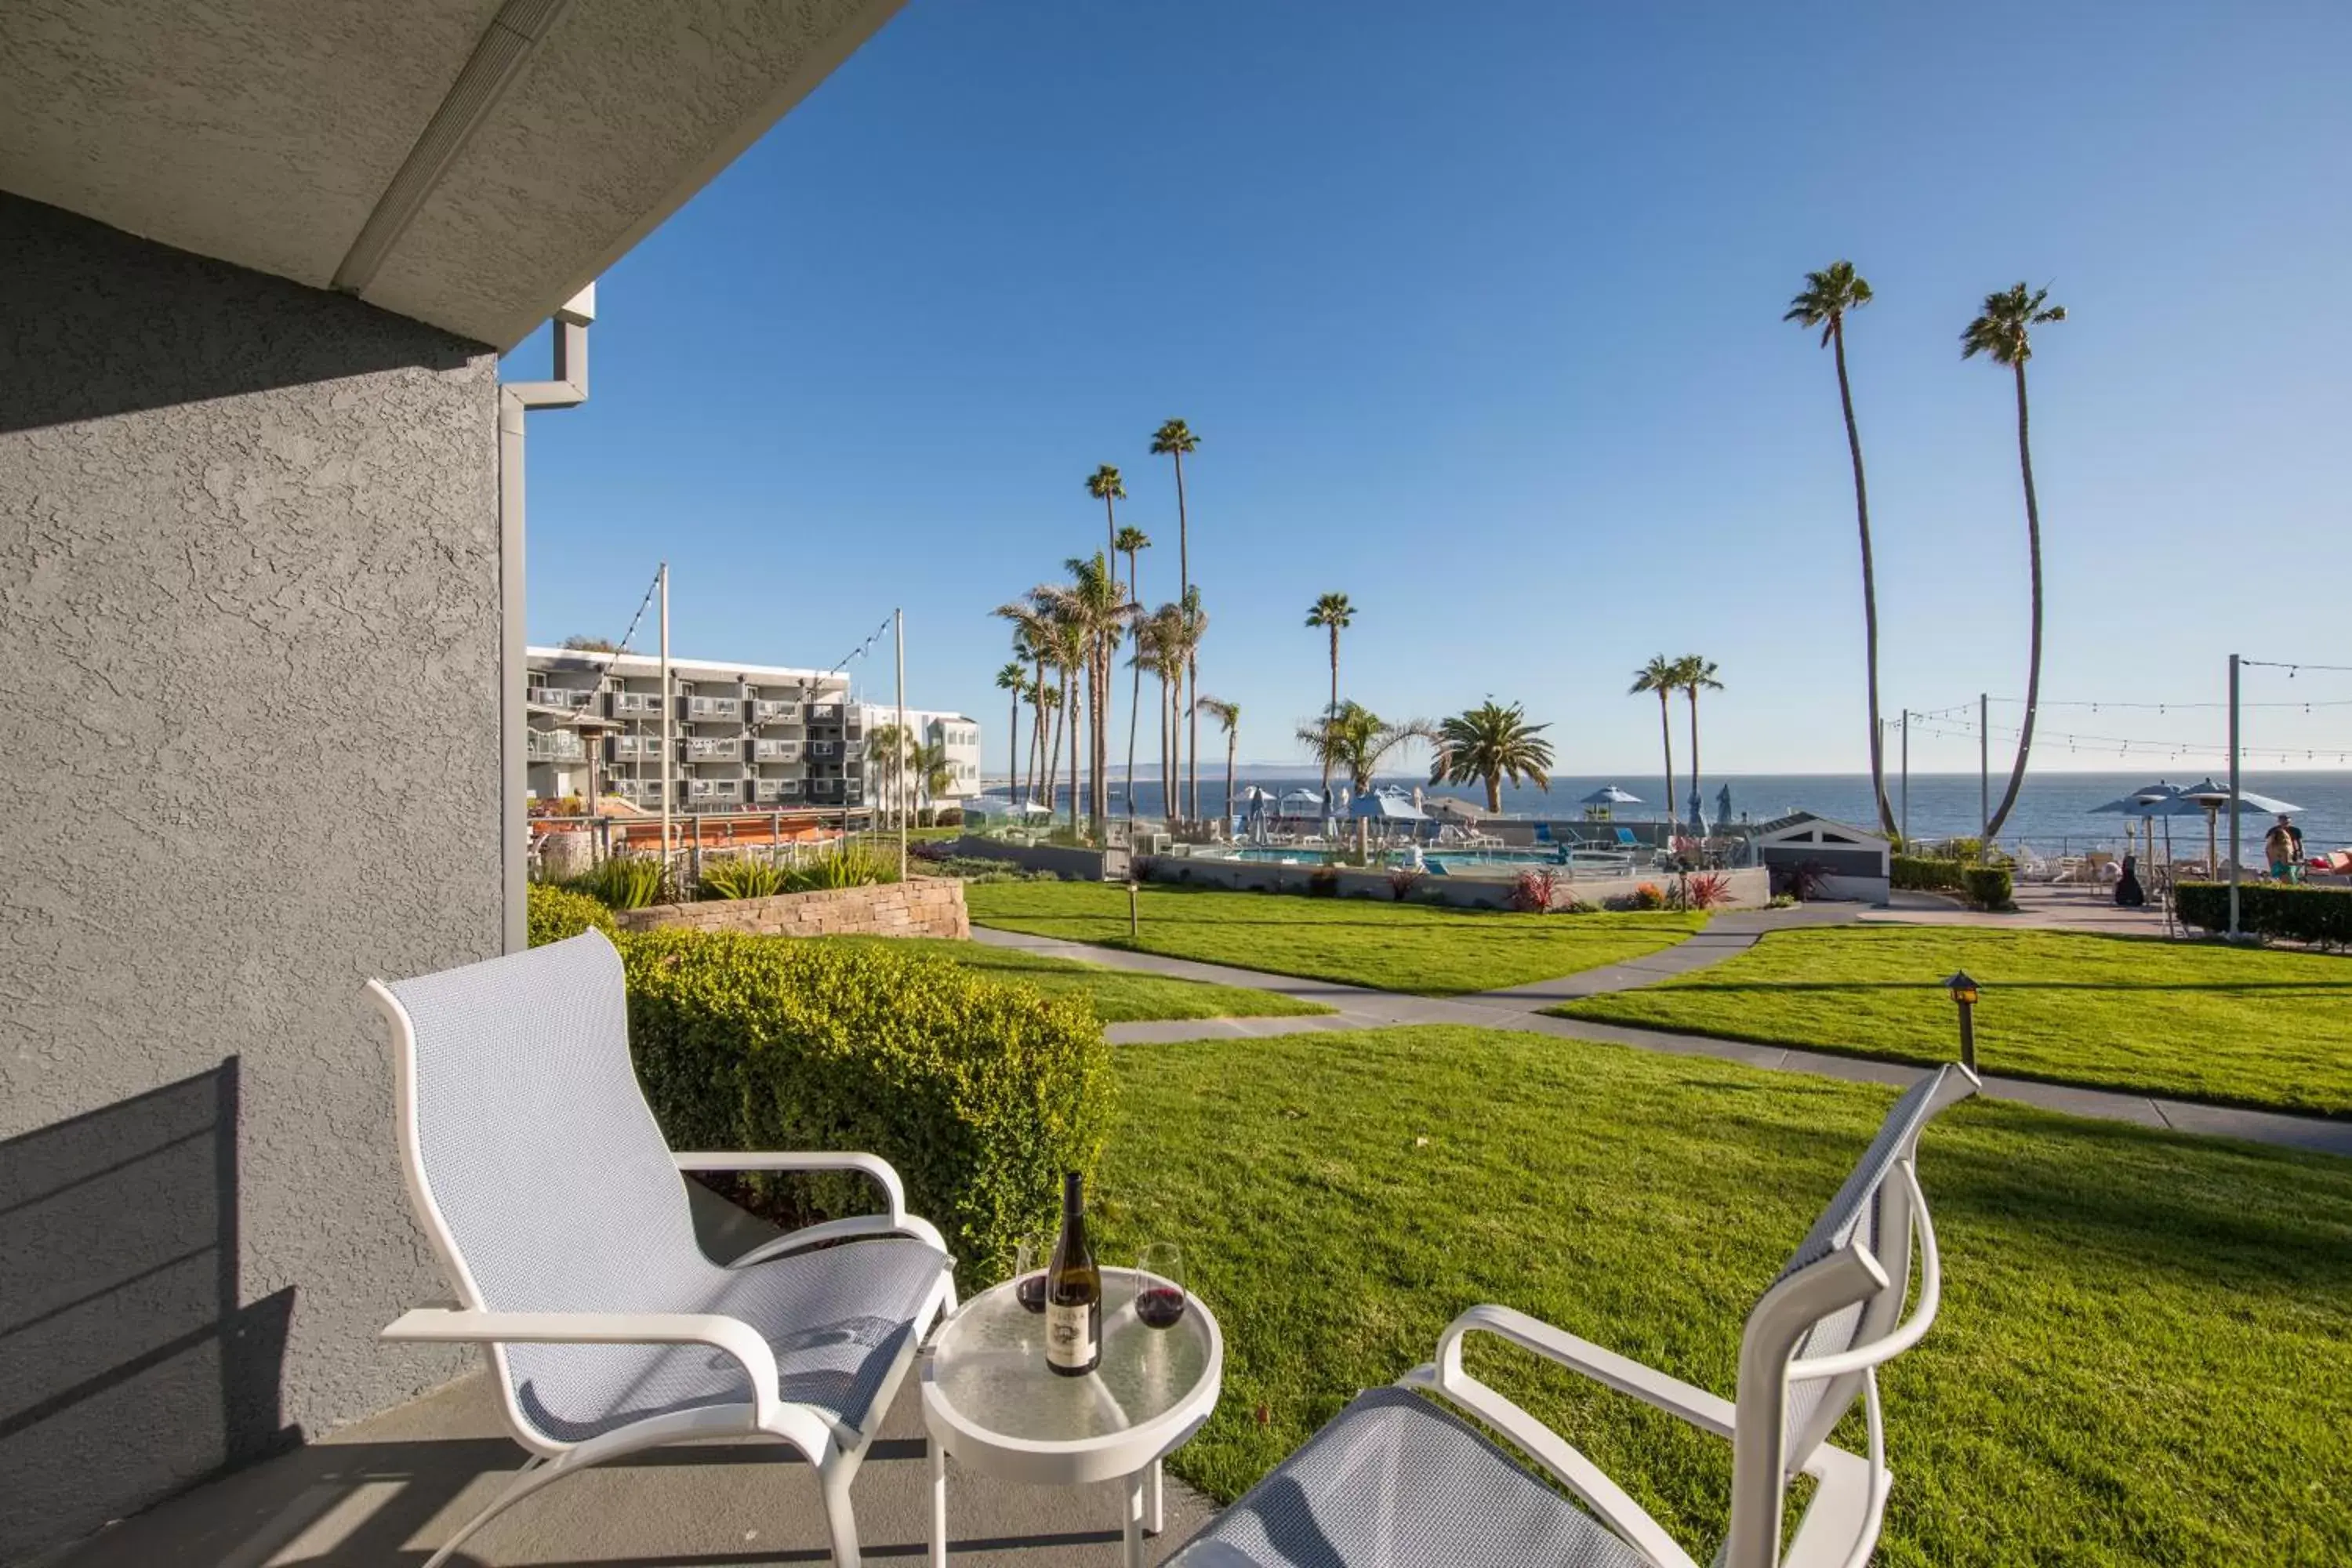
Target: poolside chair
(559, 1215)
(1397, 1479)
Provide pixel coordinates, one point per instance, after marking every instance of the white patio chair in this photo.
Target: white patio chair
(1397, 1479)
(560, 1218)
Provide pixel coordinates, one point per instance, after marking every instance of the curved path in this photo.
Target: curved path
(1520, 1008)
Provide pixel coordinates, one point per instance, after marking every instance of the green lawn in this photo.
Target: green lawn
(1119, 997)
(2203, 1022)
(2140, 1359)
(1356, 942)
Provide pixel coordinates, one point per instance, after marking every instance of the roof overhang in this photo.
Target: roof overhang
(470, 163)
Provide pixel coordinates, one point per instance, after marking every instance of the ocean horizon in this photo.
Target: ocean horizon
(2054, 810)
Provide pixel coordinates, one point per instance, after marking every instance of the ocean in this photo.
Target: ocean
(2053, 812)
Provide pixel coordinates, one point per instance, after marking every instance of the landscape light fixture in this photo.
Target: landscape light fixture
(1964, 994)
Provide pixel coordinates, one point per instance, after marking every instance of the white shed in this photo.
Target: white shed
(1855, 862)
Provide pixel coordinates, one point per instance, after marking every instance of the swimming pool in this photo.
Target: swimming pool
(1442, 861)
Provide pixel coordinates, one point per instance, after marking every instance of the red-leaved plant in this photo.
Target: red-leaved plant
(1704, 890)
(1532, 893)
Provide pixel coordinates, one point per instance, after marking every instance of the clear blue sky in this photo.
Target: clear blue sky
(1477, 316)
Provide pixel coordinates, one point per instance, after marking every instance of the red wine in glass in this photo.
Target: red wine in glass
(1159, 1293)
(1029, 1261)
(1159, 1305)
(1031, 1292)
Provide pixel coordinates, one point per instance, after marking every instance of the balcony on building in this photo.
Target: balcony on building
(825, 713)
(775, 710)
(636, 705)
(714, 749)
(715, 710)
(775, 751)
(569, 699)
(554, 746)
(636, 748)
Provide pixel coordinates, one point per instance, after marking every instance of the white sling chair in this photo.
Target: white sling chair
(560, 1218)
(1397, 1480)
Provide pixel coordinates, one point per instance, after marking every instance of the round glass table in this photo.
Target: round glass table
(989, 1400)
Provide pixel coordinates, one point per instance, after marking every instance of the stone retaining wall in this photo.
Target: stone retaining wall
(921, 906)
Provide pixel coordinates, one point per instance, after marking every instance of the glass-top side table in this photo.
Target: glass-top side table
(989, 1400)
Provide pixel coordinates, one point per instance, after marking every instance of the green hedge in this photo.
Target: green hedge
(1922, 873)
(980, 1092)
(1987, 887)
(2321, 916)
(559, 912)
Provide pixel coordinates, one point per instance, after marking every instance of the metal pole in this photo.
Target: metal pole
(1907, 779)
(669, 707)
(2233, 797)
(1984, 776)
(1968, 1036)
(898, 620)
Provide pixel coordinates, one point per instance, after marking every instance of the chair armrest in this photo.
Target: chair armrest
(736, 1338)
(899, 1222)
(873, 1166)
(1671, 1395)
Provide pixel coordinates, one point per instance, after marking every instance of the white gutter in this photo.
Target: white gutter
(569, 389)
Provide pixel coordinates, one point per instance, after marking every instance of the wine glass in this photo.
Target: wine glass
(1159, 1293)
(1031, 1259)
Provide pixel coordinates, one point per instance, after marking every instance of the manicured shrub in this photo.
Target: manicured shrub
(2319, 916)
(741, 876)
(622, 882)
(980, 1092)
(846, 865)
(1533, 892)
(1403, 880)
(1923, 873)
(1649, 896)
(556, 913)
(1987, 887)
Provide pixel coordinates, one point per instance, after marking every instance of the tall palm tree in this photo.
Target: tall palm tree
(891, 749)
(2004, 333)
(1132, 541)
(1663, 676)
(1094, 602)
(1333, 613)
(1159, 647)
(1107, 487)
(1229, 716)
(1049, 709)
(1013, 678)
(1697, 675)
(1175, 440)
(1070, 651)
(933, 775)
(1030, 643)
(1491, 743)
(1825, 301)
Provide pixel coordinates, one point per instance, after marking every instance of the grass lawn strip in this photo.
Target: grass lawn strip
(2233, 1026)
(1120, 996)
(1416, 948)
(2140, 1358)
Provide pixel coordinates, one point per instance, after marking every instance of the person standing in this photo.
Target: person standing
(2283, 846)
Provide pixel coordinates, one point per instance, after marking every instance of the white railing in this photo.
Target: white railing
(553, 746)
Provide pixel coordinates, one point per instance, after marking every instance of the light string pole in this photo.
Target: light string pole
(2233, 797)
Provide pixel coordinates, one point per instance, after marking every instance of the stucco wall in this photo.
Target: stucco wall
(921, 906)
(249, 757)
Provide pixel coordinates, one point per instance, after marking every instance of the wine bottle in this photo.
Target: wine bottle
(1073, 1292)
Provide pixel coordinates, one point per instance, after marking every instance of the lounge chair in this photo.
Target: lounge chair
(1397, 1479)
(559, 1216)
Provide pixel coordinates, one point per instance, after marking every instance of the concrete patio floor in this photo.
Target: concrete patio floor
(390, 1489)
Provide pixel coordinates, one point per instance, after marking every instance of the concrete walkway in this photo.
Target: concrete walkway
(1359, 1008)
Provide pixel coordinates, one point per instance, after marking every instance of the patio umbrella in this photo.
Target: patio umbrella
(1387, 806)
(1723, 805)
(2141, 803)
(2212, 798)
(1301, 803)
(1604, 800)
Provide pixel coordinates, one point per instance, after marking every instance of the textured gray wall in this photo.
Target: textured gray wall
(249, 757)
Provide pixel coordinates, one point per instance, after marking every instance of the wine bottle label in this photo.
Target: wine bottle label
(1070, 1334)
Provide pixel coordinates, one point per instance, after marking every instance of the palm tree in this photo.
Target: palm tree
(1132, 541)
(1107, 487)
(2005, 332)
(1049, 711)
(933, 776)
(1663, 676)
(1095, 603)
(1175, 440)
(1332, 611)
(1352, 739)
(1823, 303)
(1013, 678)
(1030, 643)
(1229, 715)
(1070, 653)
(1491, 743)
(1697, 674)
(890, 749)
(1159, 647)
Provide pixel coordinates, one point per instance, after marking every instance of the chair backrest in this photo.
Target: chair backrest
(1625, 836)
(530, 1154)
(1843, 1290)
